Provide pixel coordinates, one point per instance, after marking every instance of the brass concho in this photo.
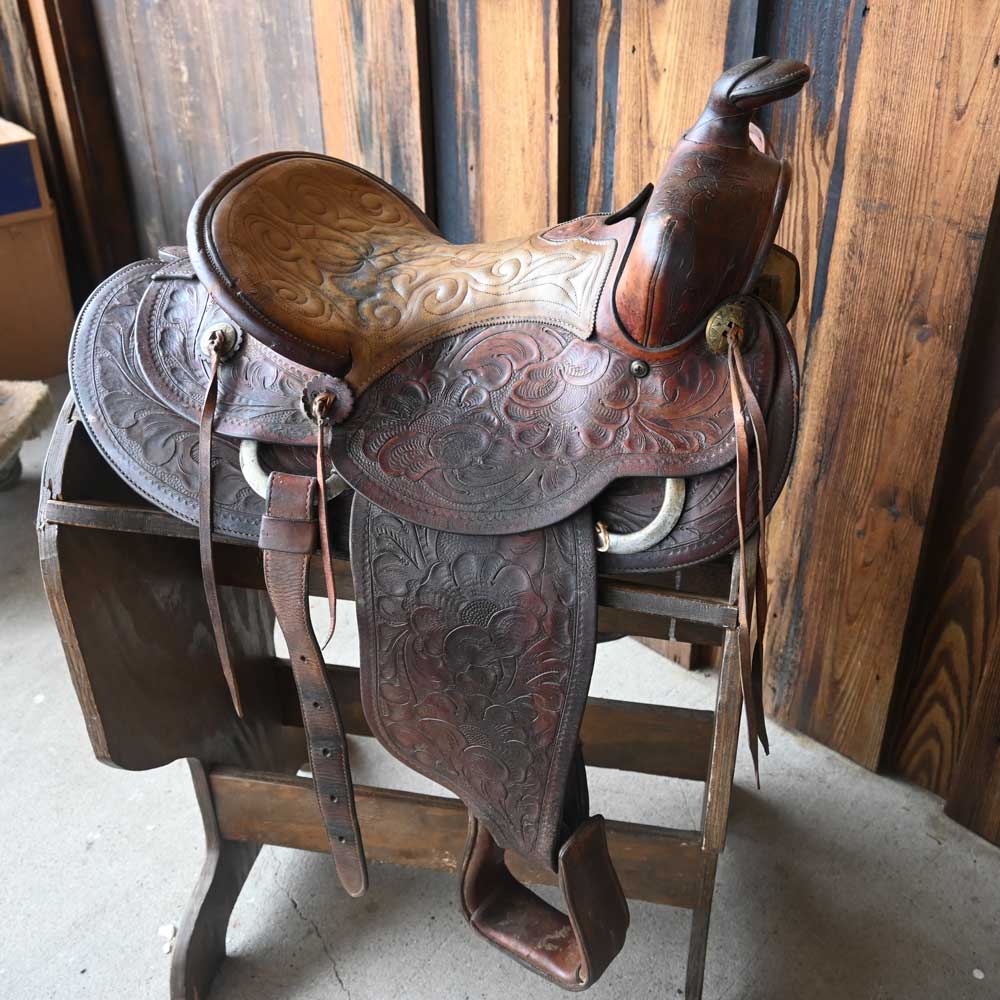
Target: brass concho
(726, 320)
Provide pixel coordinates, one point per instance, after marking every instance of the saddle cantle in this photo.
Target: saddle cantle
(482, 429)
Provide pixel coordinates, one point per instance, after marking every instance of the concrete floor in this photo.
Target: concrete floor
(836, 884)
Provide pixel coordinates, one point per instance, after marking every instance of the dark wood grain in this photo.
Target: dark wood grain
(500, 127)
(25, 101)
(53, 81)
(890, 233)
(593, 81)
(948, 711)
(669, 56)
(199, 87)
(374, 90)
(425, 831)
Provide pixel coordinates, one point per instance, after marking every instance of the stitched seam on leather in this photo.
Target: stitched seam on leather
(771, 84)
(574, 683)
(654, 279)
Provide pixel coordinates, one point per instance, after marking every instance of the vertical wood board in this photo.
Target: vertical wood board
(368, 62)
(596, 35)
(200, 86)
(897, 247)
(498, 124)
(670, 54)
(949, 689)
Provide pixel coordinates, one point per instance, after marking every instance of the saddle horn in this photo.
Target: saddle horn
(713, 212)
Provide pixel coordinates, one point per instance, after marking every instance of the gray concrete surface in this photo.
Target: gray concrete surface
(836, 884)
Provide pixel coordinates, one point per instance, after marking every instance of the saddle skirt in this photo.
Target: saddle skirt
(481, 429)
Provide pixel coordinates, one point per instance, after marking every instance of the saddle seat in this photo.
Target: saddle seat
(335, 269)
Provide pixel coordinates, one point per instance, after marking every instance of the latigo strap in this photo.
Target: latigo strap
(288, 537)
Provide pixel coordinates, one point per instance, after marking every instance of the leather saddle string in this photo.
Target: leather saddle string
(288, 536)
(743, 398)
(205, 522)
(320, 409)
(759, 426)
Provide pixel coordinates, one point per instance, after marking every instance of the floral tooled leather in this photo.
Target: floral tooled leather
(514, 427)
(481, 651)
(335, 260)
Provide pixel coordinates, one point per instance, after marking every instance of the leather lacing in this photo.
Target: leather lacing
(746, 407)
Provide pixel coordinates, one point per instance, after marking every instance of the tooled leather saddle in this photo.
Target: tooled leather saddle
(497, 422)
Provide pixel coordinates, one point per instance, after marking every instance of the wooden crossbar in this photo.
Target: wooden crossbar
(655, 864)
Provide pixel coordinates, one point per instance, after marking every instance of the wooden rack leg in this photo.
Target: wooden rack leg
(715, 809)
(201, 939)
(698, 943)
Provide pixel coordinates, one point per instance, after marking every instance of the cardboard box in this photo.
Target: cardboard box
(36, 312)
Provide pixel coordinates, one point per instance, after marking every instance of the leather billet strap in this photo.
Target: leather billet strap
(288, 537)
(572, 949)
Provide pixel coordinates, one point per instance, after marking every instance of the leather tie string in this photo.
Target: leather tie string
(321, 409)
(746, 407)
(215, 346)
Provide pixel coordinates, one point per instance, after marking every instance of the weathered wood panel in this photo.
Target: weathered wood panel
(949, 711)
(596, 36)
(371, 81)
(669, 56)
(77, 92)
(897, 160)
(199, 86)
(428, 831)
(499, 124)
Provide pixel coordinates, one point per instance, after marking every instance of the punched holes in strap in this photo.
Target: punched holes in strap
(288, 538)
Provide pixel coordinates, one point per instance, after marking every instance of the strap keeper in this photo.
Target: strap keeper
(286, 535)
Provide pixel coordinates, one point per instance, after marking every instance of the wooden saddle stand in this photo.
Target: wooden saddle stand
(503, 453)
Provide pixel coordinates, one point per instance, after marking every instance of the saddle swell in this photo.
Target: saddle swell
(713, 213)
(472, 410)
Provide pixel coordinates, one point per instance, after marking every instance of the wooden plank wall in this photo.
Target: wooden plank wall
(52, 81)
(371, 67)
(498, 118)
(897, 151)
(948, 715)
(199, 86)
(505, 115)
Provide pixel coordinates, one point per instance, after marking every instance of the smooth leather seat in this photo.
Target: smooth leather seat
(333, 267)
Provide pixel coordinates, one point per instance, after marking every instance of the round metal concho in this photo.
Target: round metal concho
(674, 492)
(227, 337)
(338, 394)
(639, 368)
(724, 321)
